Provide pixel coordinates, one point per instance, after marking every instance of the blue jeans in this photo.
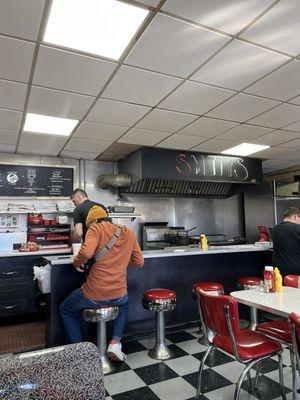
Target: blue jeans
(70, 311)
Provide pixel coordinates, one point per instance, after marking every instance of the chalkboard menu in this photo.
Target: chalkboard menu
(37, 181)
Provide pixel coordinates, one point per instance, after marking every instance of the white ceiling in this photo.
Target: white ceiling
(200, 75)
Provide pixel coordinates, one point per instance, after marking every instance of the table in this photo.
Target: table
(280, 303)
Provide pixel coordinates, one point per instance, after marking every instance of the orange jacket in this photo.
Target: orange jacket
(107, 276)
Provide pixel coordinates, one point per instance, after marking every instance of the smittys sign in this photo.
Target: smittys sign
(193, 166)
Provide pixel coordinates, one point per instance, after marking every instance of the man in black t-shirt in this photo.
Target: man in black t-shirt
(83, 205)
(286, 243)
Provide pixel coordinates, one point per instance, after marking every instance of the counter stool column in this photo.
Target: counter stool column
(159, 300)
(247, 283)
(101, 315)
(213, 288)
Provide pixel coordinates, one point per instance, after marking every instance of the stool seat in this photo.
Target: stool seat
(248, 281)
(208, 287)
(159, 294)
(106, 313)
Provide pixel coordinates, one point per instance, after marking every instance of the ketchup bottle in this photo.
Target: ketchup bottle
(269, 276)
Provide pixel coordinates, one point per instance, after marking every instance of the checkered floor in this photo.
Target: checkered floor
(142, 378)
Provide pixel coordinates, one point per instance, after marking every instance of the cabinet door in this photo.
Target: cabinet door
(11, 271)
(10, 307)
(13, 289)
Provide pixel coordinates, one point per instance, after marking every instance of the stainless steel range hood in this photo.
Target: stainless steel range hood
(187, 174)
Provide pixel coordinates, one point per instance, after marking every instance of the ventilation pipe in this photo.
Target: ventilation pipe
(108, 181)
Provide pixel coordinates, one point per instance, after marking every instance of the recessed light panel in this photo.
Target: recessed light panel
(245, 149)
(102, 27)
(49, 125)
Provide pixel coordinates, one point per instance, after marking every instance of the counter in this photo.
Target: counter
(17, 253)
(163, 268)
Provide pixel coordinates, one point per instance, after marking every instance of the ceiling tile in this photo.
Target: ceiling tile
(21, 18)
(196, 98)
(7, 148)
(181, 142)
(243, 133)
(295, 127)
(273, 164)
(79, 154)
(10, 119)
(281, 84)
(152, 3)
(16, 59)
(143, 137)
(87, 145)
(36, 140)
(275, 138)
(12, 95)
(8, 136)
(174, 47)
(162, 120)
(56, 103)
(207, 127)
(64, 70)
(296, 100)
(43, 151)
(242, 107)
(273, 152)
(278, 117)
(279, 28)
(293, 144)
(138, 86)
(122, 148)
(226, 15)
(238, 65)
(215, 146)
(116, 112)
(94, 130)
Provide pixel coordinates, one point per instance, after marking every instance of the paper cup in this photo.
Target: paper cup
(75, 248)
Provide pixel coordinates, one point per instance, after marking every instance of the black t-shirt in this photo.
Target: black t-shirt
(80, 213)
(286, 242)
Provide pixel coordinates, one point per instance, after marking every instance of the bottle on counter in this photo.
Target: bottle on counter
(269, 278)
(278, 280)
(203, 241)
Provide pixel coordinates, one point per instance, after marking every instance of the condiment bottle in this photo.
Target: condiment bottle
(269, 277)
(278, 280)
(204, 244)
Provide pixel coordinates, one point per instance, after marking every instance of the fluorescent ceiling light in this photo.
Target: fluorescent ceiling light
(245, 149)
(102, 27)
(49, 125)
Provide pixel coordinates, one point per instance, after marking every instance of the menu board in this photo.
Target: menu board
(36, 181)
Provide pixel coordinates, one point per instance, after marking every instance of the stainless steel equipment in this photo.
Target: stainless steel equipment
(154, 235)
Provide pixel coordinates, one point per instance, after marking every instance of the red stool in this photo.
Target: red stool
(292, 281)
(159, 300)
(213, 288)
(247, 283)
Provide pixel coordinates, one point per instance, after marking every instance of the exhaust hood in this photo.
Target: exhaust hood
(187, 174)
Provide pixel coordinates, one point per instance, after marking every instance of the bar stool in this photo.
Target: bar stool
(159, 300)
(247, 283)
(101, 315)
(213, 288)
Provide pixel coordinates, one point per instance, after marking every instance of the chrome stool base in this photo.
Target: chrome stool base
(160, 352)
(107, 365)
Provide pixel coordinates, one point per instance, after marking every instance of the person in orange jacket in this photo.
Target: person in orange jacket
(106, 283)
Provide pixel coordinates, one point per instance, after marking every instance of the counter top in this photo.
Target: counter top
(176, 252)
(17, 253)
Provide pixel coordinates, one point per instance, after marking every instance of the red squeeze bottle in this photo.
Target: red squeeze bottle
(270, 276)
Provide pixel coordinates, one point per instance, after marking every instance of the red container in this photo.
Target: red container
(269, 277)
(53, 221)
(35, 219)
(47, 221)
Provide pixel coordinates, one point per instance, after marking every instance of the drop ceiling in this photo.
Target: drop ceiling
(201, 75)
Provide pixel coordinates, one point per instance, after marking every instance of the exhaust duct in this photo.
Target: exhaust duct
(106, 182)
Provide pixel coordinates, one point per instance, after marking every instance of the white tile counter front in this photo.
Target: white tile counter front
(177, 252)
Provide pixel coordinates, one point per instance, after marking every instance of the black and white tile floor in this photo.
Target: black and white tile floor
(143, 378)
